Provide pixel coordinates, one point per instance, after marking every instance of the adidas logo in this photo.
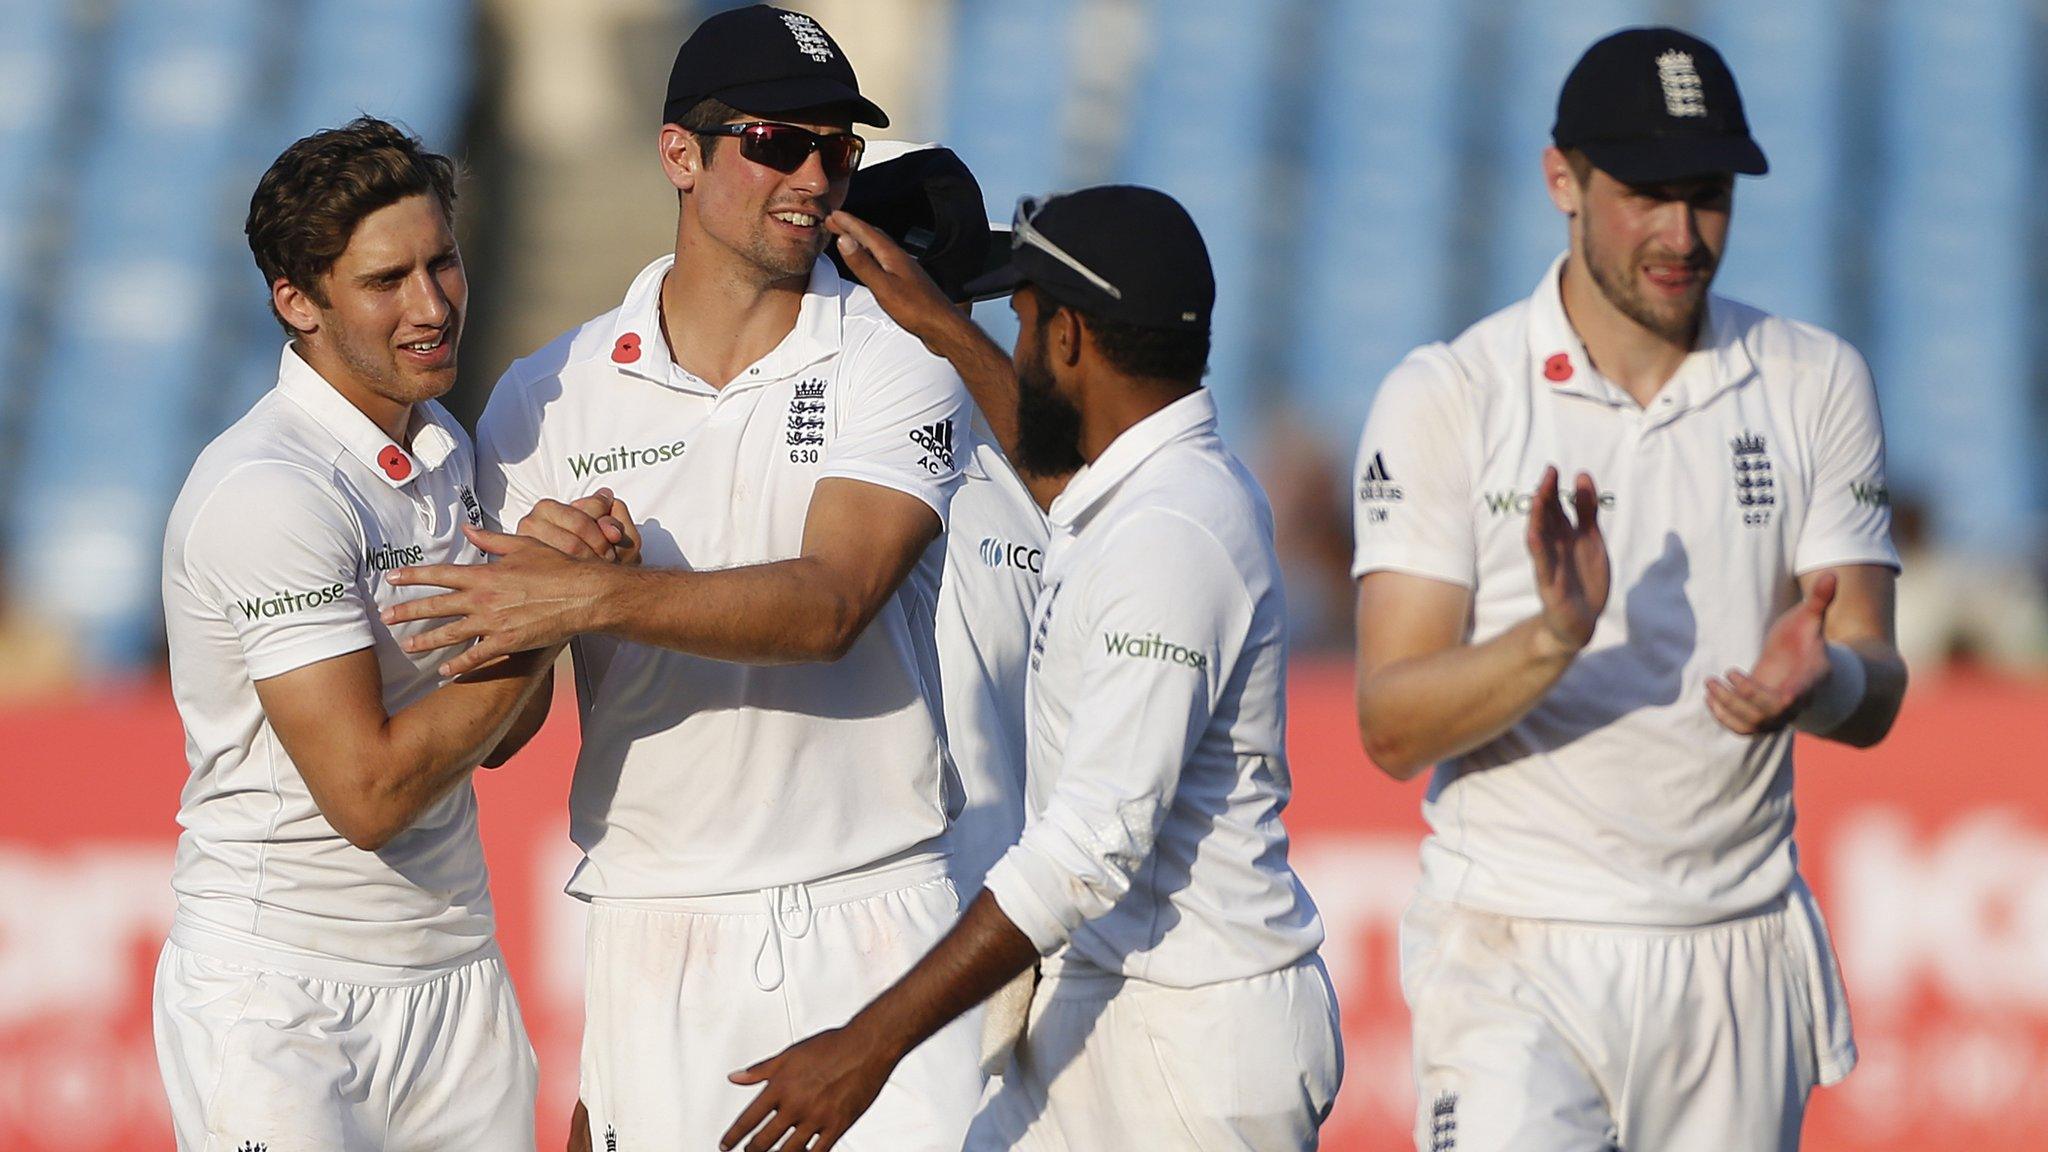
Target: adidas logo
(1377, 485)
(937, 441)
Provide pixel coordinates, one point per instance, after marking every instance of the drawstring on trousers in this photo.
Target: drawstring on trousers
(789, 913)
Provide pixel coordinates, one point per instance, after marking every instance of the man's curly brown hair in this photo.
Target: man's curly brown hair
(308, 204)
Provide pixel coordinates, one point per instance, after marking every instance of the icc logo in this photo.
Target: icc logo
(1003, 554)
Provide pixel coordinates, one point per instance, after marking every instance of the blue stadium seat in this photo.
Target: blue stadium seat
(33, 84)
(1202, 131)
(1379, 203)
(1001, 114)
(1541, 42)
(1953, 308)
(135, 337)
(1789, 61)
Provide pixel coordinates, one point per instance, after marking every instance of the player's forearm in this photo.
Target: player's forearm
(987, 370)
(1884, 690)
(786, 612)
(1417, 711)
(434, 744)
(526, 722)
(980, 955)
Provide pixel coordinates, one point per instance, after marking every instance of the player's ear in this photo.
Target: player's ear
(298, 307)
(1561, 182)
(1066, 332)
(682, 156)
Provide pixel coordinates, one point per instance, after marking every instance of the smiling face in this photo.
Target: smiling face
(1652, 249)
(772, 221)
(392, 311)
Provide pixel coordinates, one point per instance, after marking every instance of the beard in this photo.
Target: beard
(1677, 320)
(1048, 425)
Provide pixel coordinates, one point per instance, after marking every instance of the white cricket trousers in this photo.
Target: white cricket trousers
(1550, 1036)
(681, 993)
(254, 1058)
(1108, 1063)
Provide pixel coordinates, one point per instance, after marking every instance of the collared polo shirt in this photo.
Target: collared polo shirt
(701, 776)
(995, 552)
(274, 558)
(1618, 798)
(1157, 700)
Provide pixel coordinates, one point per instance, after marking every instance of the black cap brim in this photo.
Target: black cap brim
(1661, 158)
(1000, 275)
(770, 97)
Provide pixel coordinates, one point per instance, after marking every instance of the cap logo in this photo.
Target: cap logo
(810, 39)
(1683, 94)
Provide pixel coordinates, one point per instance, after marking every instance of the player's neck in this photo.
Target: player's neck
(719, 314)
(1639, 361)
(1116, 404)
(392, 417)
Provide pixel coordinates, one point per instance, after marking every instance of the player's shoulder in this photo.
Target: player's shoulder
(541, 374)
(1785, 349)
(275, 438)
(872, 341)
(262, 474)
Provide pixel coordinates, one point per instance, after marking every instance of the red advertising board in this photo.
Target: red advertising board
(1930, 856)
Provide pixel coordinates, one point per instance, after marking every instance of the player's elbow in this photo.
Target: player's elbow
(836, 626)
(1391, 754)
(1386, 745)
(365, 827)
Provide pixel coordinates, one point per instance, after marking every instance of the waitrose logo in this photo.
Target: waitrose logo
(1153, 646)
(285, 603)
(621, 458)
(389, 556)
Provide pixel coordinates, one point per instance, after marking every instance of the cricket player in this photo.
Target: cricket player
(1611, 946)
(1184, 1004)
(922, 196)
(331, 980)
(763, 788)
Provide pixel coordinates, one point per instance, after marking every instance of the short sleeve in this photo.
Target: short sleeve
(1164, 614)
(1411, 488)
(277, 552)
(1849, 511)
(903, 422)
(510, 470)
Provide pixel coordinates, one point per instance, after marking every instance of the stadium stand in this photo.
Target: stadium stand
(132, 333)
(1002, 119)
(1954, 283)
(1380, 204)
(1202, 124)
(157, 334)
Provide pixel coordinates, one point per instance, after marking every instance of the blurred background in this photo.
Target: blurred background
(1366, 175)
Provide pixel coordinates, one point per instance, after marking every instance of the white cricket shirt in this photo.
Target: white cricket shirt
(1157, 700)
(995, 553)
(1618, 798)
(701, 776)
(274, 559)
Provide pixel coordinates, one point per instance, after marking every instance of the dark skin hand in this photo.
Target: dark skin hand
(815, 1089)
(906, 292)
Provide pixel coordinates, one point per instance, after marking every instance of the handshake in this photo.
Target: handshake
(544, 584)
(595, 527)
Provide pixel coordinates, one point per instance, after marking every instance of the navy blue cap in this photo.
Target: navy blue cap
(1648, 105)
(764, 61)
(1139, 240)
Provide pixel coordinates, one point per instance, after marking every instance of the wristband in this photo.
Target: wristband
(1836, 696)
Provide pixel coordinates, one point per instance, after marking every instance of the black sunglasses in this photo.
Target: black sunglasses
(785, 147)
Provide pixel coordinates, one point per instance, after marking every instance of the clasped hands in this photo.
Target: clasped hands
(541, 586)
